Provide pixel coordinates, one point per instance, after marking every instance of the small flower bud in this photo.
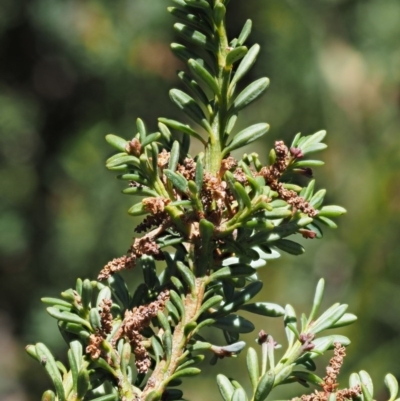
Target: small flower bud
(296, 153)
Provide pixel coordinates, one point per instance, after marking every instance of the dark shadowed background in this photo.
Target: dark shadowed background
(72, 71)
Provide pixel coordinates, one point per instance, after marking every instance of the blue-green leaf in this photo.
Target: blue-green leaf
(245, 65)
(331, 211)
(177, 180)
(392, 385)
(117, 142)
(235, 55)
(253, 367)
(265, 386)
(195, 37)
(182, 128)
(246, 136)
(264, 309)
(244, 34)
(225, 387)
(250, 93)
(50, 365)
(203, 75)
(234, 324)
(188, 105)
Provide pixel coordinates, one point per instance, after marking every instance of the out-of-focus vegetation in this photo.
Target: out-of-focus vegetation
(72, 71)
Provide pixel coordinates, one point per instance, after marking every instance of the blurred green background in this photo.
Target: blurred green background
(72, 71)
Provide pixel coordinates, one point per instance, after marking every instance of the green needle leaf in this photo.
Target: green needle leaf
(189, 106)
(392, 385)
(165, 132)
(74, 368)
(193, 86)
(234, 324)
(244, 34)
(163, 321)
(203, 75)
(177, 301)
(239, 395)
(328, 318)
(177, 180)
(50, 365)
(183, 53)
(141, 129)
(235, 55)
(157, 348)
(83, 383)
(323, 344)
(308, 377)
(241, 297)
(122, 159)
(178, 284)
(174, 156)
(94, 317)
(117, 142)
(243, 195)
(246, 136)
(140, 191)
(328, 222)
(289, 246)
(290, 318)
(225, 387)
(187, 372)
(264, 386)
(264, 309)
(150, 139)
(195, 37)
(31, 350)
(199, 172)
(308, 191)
(172, 312)
(138, 210)
(167, 343)
(187, 276)
(119, 288)
(67, 317)
(48, 395)
(232, 271)
(219, 12)
(190, 19)
(354, 381)
(203, 4)
(245, 65)
(253, 367)
(331, 211)
(133, 177)
(250, 93)
(367, 382)
(56, 302)
(311, 139)
(318, 198)
(194, 360)
(182, 128)
(307, 163)
(345, 320)
(365, 391)
(216, 299)
(319, 293)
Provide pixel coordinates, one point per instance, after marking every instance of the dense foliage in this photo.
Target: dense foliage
(71, 70)
(214, 220)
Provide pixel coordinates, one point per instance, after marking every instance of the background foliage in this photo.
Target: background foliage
(73, 71)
